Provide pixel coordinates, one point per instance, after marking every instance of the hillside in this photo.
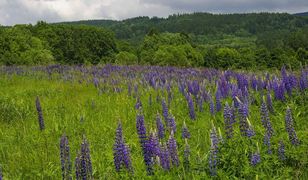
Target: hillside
(202, 24)
(301, 14)
(255, 40)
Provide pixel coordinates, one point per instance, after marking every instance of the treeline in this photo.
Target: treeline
(262, 40)
(45, 44)
(214, 25)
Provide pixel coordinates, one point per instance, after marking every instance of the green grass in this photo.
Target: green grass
(28, 153)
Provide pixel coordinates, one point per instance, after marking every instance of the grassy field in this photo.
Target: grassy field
(73, 105)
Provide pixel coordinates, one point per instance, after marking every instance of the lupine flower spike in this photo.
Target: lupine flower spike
(172, 148)
(290, 127)
(39, 113)
(281, 150)
(255, 157)
(121, 151)
(185, 132)
(213, 160)
(83, 162)
(160, 127)
(65, 158)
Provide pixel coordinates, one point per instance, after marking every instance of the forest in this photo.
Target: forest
(235, 41)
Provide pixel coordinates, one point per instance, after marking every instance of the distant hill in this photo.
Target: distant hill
(201, 24)
(301, 14)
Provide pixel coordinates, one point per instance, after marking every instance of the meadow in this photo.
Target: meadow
(150, 122)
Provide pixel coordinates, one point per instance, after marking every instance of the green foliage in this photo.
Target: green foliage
(126, 58)
(243, 41)
(169, 49)
(44, 44)
(18, 46)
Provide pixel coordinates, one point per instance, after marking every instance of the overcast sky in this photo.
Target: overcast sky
(30, 11)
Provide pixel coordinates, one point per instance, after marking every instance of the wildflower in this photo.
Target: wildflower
(121, 151)
(172, 123)
(185, 132)
(290, 127)
(281, 150)
(83, 162)
(213, 160)
(228, 119)
(191, 108)
(65, 158)
(172, 148)
(160, 127)
(212, 109)
(255, 157)
(266, 120)
(138, 104)
(267, 142)
(164, 157)
(40, 114)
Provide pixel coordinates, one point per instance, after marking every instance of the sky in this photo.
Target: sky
(30, 11)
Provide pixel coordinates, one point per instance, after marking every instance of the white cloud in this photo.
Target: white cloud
(30, 11)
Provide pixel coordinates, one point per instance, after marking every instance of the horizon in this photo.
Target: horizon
(53, 11)
(150, 17)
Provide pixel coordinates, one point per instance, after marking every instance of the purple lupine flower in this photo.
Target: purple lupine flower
(160, 127)
(281, 150)
(83, 162)
(267, 142)
(235, 94)
(255, 159)
(65, 158)
(78, 167)
(138, 104)
(129, 89)
(200, 104)
(266, 120)
(40, 114)
(191, 107)
(290, 127)
(212, 109)
(186, 155)
(121, 151)
(171, 123)
(145, 146)
(165, 111)
(233, 117)
(213, 160)
(286, 81)
(164, 157)
(141, 130)
(269, 102)
(228, 119)
(243, 115)
(218, 102)
(185, 132)
(154, 145)
(172, 148)
(250, 131)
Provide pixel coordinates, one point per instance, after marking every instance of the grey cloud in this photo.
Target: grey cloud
(14, 12)
(30, 11)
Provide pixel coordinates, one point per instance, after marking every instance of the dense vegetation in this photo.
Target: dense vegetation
(256, 40)
(150, 122)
